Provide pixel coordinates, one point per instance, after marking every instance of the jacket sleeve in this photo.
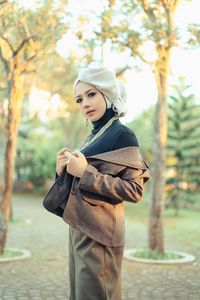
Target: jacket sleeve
(128, 187)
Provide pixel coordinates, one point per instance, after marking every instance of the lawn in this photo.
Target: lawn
(182, 230)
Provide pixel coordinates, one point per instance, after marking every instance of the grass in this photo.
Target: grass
(10, 253)
(150, 254)
(183, 230)
(15, 221)
(180, 232)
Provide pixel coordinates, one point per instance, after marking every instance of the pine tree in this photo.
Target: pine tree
(183, 144)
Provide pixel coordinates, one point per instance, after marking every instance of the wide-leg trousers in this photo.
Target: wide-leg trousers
(94, 269)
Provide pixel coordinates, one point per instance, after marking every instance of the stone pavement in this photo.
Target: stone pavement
(44, 276)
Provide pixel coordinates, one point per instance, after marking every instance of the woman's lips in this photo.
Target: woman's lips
(89, 112)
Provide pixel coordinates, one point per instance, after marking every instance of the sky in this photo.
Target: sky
(141, 86)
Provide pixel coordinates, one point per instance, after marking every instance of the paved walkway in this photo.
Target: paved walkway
(44, 276)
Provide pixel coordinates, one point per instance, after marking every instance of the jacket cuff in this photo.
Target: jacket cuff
(86, 179)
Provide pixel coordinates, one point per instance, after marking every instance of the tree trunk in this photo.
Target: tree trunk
(3, 233)
(156, 227)
(14, 116)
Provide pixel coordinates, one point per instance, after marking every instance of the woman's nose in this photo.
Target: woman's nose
(85, 102)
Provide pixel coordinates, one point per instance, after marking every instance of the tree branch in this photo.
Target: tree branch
(150, 63)
(27, 72)
(137, 53)
(176, 2)
(2, 58)
(165, 5)
(148, 10)
(31, 57)
(20, 47)
(120, 72)
(170, 5)
(3, 1)
(8, 43)
(5, 62)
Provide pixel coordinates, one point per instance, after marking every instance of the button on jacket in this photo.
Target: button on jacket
(95, 205)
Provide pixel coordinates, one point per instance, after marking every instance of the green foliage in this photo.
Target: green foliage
(27, 36)
(194, 38)
(183, 143)
(56, 75)
(39, 142)
(133, 25)
(28, 39)
(142, 125)
(35, 159)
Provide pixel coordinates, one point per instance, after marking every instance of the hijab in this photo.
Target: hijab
(116, 135)
(105, 81)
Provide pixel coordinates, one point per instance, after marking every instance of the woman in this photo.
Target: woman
(107, 170)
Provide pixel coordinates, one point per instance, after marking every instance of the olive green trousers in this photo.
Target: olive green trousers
(94, 269)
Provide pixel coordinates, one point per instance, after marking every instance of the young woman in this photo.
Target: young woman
(107, 170)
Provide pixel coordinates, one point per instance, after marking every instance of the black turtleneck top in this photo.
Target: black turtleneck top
(114, 137)
(97, 125)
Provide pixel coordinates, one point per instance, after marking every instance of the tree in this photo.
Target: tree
(61, 76)
(183, 143)
(157, 32)
(134, 26)
(25, 37)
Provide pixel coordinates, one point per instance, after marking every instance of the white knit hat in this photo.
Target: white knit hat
(105, 81)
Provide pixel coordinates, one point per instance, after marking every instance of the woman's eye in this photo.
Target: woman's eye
(78, 100)
(91, 94)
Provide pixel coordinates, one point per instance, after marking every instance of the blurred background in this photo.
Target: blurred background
(154, 48)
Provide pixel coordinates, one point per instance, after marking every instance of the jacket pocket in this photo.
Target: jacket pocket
(92, 199)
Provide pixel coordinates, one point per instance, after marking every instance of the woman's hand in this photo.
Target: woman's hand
(76, 163)
(62, 157)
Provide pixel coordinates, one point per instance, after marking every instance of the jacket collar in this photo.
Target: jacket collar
(128, 156)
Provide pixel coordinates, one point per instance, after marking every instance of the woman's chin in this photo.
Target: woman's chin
(93, 118)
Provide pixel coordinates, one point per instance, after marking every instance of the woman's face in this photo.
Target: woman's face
(90, 101)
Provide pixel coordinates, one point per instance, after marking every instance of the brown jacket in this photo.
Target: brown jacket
(95, 204)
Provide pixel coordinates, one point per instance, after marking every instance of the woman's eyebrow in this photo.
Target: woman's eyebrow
(85, 92)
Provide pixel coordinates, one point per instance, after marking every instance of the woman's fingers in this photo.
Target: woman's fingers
(67, 154)
(60, 157)
(61, 164)
(62, 151)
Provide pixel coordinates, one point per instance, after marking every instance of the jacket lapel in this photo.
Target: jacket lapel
(128, 156)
